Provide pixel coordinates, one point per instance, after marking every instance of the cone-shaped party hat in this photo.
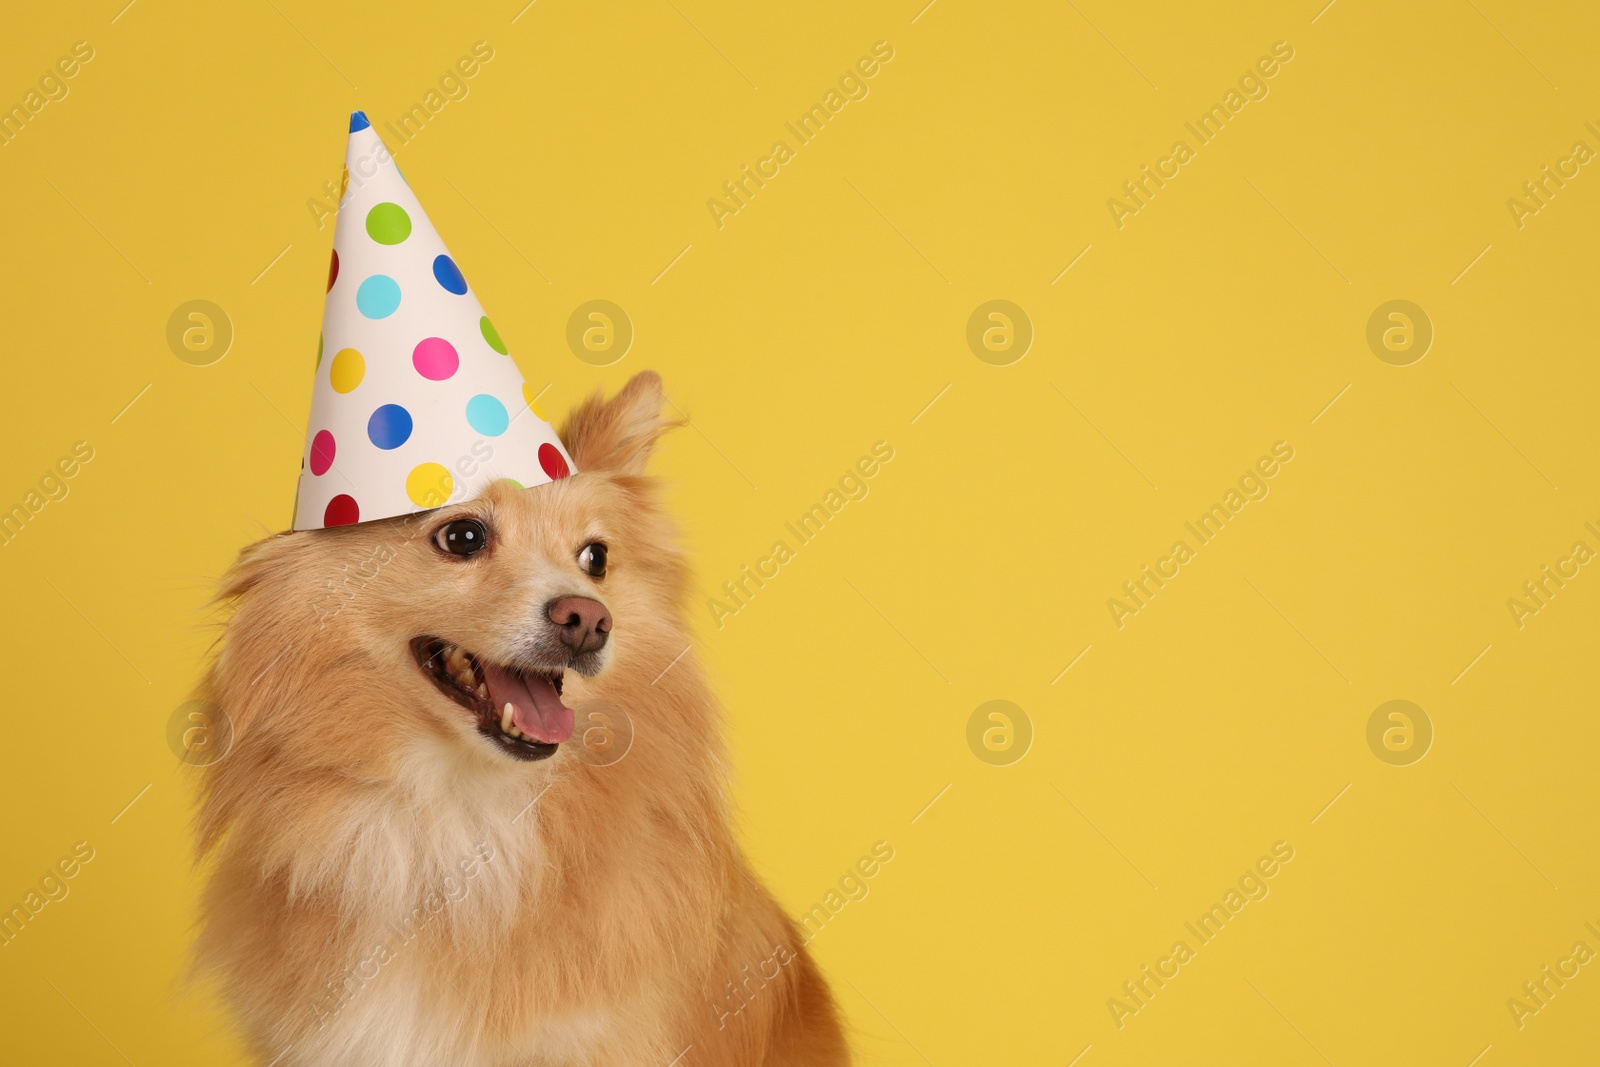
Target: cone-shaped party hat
(417, 403)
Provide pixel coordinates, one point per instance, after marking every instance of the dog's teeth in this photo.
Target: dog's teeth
(505, 719)
(483, 692)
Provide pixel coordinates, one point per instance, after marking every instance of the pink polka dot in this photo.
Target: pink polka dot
(341, 511)
(321, 452)
(552, 462)
(435, 358)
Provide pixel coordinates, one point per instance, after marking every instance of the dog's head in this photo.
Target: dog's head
(477, 625)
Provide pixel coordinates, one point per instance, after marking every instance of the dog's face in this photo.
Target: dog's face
(480, 624)
(509, 593)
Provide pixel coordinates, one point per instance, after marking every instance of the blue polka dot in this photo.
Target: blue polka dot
(390, 426)
(449, 275)
(358, 121)
(487, 415)
(378, 296)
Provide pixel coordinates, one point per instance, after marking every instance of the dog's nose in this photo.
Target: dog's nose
(582, 623)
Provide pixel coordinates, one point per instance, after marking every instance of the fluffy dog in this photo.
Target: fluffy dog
(419, 854)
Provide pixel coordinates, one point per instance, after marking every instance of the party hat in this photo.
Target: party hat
(417, 402)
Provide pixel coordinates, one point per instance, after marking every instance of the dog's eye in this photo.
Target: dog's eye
(463, 537)
(593, 560)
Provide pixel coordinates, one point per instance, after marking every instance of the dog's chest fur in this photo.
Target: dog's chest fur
(454, 944)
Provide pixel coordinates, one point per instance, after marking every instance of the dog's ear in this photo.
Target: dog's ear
(618, 434)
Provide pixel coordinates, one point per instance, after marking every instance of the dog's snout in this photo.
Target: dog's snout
(582, 623)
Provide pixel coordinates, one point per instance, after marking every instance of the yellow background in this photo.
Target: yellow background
(823, 317)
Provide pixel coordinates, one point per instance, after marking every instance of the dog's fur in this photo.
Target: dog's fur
(386, 888)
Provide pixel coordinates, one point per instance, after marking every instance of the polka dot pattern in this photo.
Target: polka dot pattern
(554, 464)
(435, 358)
(492, 336)
(388, 224)
(429, 485)
(487, 415)
(449, 275)
(389, 427)
(322, 450)
(405, 390)
(349, 367)
(341, 511)
(378, 297)
(532, 400)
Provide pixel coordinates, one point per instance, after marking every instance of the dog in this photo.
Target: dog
(425, 846)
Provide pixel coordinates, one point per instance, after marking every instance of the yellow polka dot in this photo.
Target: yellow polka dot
(344, 183)
(349, 367)
(429, 485)
(528, 395)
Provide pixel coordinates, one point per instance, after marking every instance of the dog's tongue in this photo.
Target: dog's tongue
(536, 709)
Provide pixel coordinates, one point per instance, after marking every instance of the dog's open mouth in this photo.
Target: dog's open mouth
(519, 710)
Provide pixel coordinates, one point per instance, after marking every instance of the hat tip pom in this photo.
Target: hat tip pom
(358, 121)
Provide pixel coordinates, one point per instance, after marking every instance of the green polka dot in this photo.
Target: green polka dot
(319, 351)
(388, 224)
(492, 336)
(513, 483)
